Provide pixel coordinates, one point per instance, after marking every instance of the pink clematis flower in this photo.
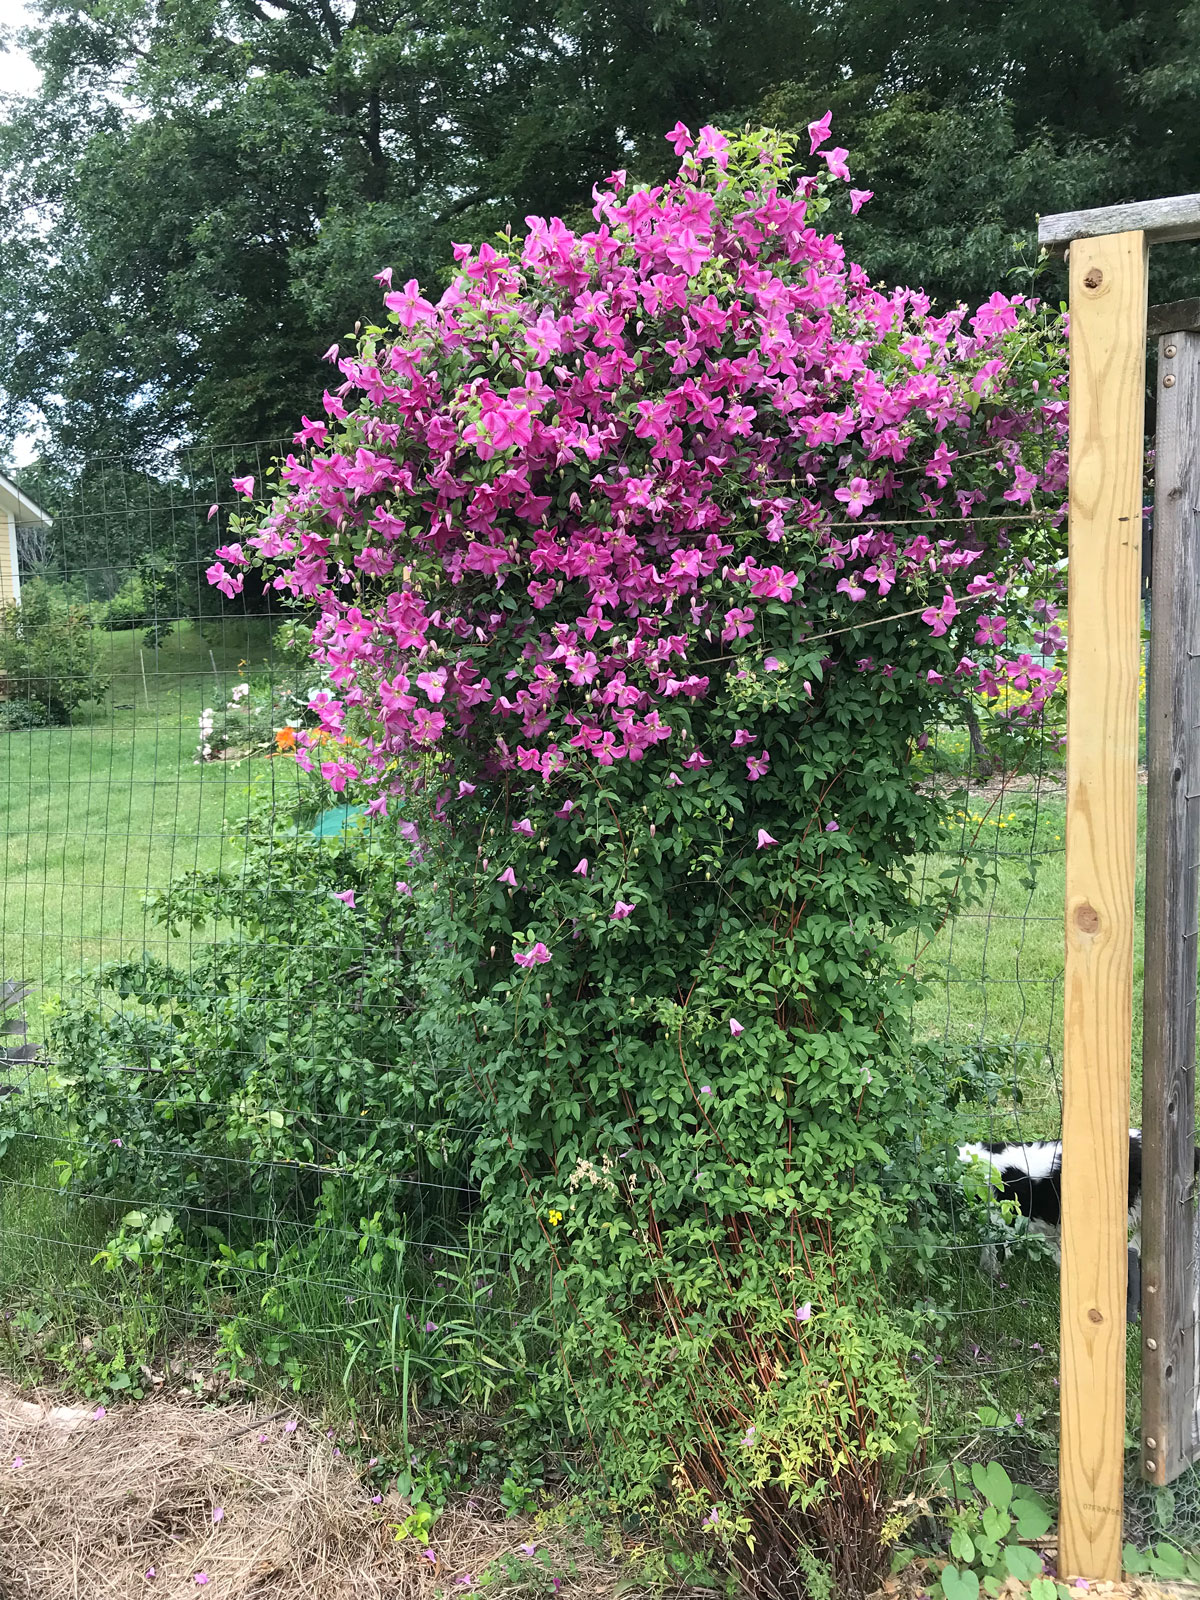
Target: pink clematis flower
(856, 497)
(859, 198)
(735, 1027)
(403, 888)
(680, 138)
(524, 826)
(409, 306)
(837, 162)
(346, 896)
(509, 877)
(818, 132)
(582, 868)
(764, 839)
(244, 485)
(622, 909)
(742, 736)
(804, 1312)
(465, 788)
(756, 766)
(535, 957)
(713, 144)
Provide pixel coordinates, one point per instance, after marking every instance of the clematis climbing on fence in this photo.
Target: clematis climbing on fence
(661, 547)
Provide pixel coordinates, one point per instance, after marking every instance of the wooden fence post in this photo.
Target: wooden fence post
(1108, 250)
(1169, 1277)
(1108, 364)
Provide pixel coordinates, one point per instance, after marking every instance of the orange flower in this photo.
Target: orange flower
(285, 739)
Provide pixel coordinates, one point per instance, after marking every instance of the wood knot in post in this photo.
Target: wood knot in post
(1093, 278)
(1087, 919)
(1095, 1316)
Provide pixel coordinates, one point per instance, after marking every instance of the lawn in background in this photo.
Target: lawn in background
(95, 815)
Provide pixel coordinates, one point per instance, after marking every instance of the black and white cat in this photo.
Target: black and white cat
(1030, 1175)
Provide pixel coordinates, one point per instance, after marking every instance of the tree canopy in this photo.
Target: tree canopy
(194, 203)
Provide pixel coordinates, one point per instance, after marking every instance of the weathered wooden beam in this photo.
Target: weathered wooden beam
(1108, 374)
(1175, 217)
(1176, 316)
(1169, 1278)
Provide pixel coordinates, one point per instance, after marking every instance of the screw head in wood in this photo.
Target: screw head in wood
(1169, 350)
(1151, 1465)
(1169, 381)
(1151, 1344)
(1151, 1444)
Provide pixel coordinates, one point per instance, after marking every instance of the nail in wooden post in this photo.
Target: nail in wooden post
(1108, 362)
(1169, 1278)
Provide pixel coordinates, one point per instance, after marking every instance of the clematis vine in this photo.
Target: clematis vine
(535, 554)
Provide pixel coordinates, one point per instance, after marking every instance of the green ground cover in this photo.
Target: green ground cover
(98, 814)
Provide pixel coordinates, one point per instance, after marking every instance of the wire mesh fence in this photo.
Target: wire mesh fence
(211, 1162)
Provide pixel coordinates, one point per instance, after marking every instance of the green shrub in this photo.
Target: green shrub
(49, 658)
(128, 608)
(292, 1140)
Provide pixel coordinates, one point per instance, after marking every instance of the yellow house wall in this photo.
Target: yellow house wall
(10, 582)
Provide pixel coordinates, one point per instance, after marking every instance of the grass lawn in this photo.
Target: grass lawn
(97, 814)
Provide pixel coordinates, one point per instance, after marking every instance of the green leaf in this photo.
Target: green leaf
(993, 1483)
(1167, 1562)
(996, 1524)
(958, 1585)
(1134, 1560)
(962, 1545)
(1031, 1517)
(1022, 1563)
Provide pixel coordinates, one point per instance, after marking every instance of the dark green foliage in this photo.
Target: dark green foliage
(210, 230)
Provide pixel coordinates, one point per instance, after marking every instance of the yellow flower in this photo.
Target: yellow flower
(555, 1218)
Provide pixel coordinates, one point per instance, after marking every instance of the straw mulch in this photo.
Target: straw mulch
(118, 1505)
